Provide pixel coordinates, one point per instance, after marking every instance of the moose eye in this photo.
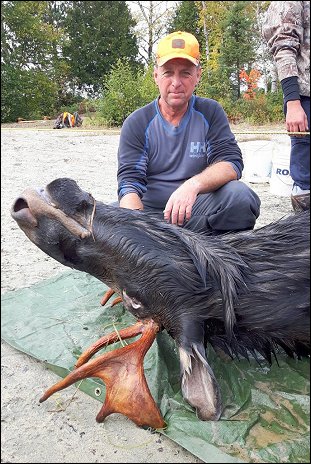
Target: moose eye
(83, 206)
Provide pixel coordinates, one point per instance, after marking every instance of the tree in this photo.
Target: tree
(211, 16)
(152, 19)
(27, 39)
(98, 34)
(186, 18)
(239, 43)
(251, 81)
(27, 43)
(190, 17)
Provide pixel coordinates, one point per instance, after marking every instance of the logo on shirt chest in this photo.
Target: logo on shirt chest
(197, 149)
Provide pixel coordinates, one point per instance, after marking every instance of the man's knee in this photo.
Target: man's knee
(236, 194)
(238, 207)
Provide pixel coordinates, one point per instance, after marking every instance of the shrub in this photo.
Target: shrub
(147, 87)
(125, 91)
(264, 108)
(29, 94)
(120, 94)
(87, 106)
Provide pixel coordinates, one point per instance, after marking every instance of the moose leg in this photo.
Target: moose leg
(108, 295)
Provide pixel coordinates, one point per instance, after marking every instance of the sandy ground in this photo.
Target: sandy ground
(31, 432)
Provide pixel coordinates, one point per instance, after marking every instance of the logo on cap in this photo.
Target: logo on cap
(178, 43)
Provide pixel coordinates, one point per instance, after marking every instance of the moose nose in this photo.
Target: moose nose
(21, 213)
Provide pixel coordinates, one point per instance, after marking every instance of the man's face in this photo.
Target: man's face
(176, 81)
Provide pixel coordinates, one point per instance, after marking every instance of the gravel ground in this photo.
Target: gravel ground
(30, 432)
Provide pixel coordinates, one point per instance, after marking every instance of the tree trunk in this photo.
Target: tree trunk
(205, 32)
(274, 79)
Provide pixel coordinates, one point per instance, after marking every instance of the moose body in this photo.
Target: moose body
(244, 293)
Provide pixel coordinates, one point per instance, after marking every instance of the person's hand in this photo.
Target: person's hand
(179, 206)
(296, 118)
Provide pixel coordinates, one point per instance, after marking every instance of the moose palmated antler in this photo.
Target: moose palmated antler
(122, 371)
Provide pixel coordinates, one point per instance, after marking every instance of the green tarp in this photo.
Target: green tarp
(266, 409)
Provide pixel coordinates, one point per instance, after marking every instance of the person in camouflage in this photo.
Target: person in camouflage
(286, 29)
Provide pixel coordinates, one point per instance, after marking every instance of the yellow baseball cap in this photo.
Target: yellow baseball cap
(178, 45)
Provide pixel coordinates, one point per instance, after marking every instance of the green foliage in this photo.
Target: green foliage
(120, 94)
(264, 108)
(147, 88)
(211, 16)
(53, 53)
(30, 70)
(91, 120)
(212, 83)
(99, 33)
(71, 108)
(9, 88)
(73, 43)
(186, 18)
(87, 106)
(125, 91)
(29, 94)
(239, 43)
(27, 39)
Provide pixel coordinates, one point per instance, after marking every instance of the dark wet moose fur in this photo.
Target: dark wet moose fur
(245, 293)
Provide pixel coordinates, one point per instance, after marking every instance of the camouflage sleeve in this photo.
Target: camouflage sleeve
(283, 30)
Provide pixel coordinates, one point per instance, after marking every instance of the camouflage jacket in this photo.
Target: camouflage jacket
(286, 29)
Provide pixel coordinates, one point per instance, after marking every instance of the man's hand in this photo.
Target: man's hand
(296, 118)
(179, 206)
(178, 209)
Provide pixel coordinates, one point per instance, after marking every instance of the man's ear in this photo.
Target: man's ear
(199, 74)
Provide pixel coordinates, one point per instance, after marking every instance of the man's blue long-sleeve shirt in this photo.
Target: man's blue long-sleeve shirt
(155, 158)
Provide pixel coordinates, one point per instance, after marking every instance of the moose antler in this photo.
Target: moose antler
(122, 371)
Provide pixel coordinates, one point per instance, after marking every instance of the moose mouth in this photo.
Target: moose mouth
(35, 203)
